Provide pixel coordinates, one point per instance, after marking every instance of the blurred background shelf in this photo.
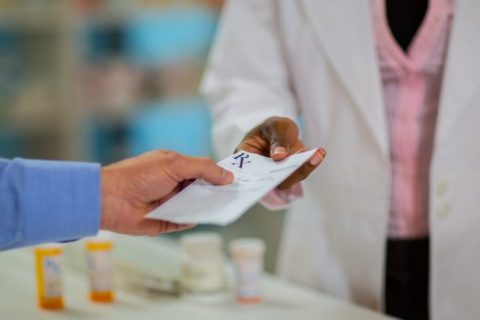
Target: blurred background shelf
(101, 80)
(75, 69)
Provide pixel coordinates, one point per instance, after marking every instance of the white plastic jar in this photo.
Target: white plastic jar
(247, 255)
(203, 267)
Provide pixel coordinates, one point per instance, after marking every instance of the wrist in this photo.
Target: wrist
(105, 190)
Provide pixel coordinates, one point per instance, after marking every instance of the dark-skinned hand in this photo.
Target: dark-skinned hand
(278, 138)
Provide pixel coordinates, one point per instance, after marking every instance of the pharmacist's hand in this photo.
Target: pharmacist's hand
(133, 187)
(277, 138)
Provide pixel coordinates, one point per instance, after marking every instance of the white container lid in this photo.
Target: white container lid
(201, 243)
(247, 246)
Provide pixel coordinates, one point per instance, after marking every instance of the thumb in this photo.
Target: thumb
(281, 133)
(203, 168)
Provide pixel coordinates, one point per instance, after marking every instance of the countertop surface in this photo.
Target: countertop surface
(159, 258)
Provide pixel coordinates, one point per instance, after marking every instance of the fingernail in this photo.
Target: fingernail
(279, 151)
(227, 176)
(316, 159)
(323, 152)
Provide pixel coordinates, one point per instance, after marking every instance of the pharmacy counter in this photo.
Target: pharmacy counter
(158, 258)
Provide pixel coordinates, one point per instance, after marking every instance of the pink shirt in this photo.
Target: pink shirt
(411, 90)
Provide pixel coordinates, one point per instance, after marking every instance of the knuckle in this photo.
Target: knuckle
(173, 156)
(253, 134)
(150, 153)
(280, 130)
(204, 161)
(209, 161)
(159, 152)
(275, 120)
(173, 160)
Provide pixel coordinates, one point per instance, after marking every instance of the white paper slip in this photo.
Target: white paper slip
(204, 203)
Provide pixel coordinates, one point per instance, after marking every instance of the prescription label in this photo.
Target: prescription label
(249, 277)
(100, 270)
(52, 267)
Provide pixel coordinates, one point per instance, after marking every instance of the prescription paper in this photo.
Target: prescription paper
(204, 203)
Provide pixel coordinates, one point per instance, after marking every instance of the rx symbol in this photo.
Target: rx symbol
(240, 160)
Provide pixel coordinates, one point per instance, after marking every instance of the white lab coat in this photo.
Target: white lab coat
(317, 59)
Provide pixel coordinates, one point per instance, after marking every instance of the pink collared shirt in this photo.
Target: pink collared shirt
(411, 91)
(411, 86)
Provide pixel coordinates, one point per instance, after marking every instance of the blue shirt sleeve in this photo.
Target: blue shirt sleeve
(46, 201)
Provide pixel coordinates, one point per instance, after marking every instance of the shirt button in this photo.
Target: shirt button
(444, 211)
(442, 189)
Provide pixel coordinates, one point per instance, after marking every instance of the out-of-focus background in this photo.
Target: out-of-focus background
(101, 80)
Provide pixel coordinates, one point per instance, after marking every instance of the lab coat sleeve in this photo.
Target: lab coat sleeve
(246, 80)
(46, 201)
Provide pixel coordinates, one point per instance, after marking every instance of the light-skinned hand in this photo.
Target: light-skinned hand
(133, 187)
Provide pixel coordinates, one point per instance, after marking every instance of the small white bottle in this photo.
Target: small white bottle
(247, 255)
(100, 266)
(203, 268)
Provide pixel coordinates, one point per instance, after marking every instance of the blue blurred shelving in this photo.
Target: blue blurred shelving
(151, 40)
(167, 36)
(181, 125)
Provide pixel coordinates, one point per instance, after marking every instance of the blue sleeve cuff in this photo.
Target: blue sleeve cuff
(61, 200)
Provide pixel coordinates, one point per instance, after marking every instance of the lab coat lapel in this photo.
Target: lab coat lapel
(462, 73)
(344, 30)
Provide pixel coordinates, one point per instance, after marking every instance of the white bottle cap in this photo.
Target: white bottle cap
(201, 243)
(247, 246)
